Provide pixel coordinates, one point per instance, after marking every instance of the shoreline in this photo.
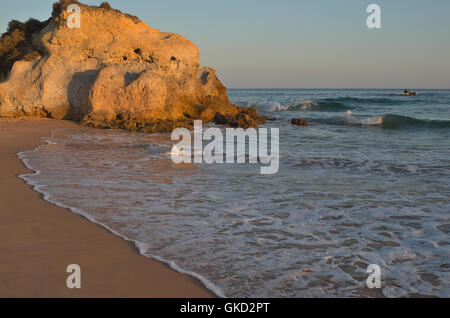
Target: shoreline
(37, 247)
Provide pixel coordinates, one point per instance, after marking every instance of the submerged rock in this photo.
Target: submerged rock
(112, 72)
(299, 122)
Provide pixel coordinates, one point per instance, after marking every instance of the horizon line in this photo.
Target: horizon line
(328, 88)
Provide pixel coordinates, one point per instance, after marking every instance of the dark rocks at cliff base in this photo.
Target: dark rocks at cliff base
(221, 119)
(137, 125)
(245, 118)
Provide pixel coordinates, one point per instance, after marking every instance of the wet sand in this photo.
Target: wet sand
(38, 240)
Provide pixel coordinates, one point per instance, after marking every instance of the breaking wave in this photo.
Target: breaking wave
(322, 106)
(306, 105)
(268, 106)
(388, 121)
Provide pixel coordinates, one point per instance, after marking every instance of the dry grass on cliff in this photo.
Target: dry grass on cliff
(16, 44)
(60, 6)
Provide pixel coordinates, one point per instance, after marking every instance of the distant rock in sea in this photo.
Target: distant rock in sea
(112, 72)
(299, 122)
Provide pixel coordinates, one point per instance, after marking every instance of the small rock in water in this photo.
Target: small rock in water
(299, 122)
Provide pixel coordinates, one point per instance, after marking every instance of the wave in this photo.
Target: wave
(368, 101)
(388, 121)
(397, 121)
(367, 165)
(306, 105)
(268, 106)
(322, 106)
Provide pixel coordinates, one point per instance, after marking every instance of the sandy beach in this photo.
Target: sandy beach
(39, 240)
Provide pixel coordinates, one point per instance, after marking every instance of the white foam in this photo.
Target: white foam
(229, 221)
(372, 121)
(308, 104)
(142, 247)
(269, 106)
(368, 121)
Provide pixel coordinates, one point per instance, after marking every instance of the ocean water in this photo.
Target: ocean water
(368, 182)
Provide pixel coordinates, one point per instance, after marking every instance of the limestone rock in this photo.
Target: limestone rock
(112, 72)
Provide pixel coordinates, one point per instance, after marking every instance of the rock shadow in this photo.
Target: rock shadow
(78, 94)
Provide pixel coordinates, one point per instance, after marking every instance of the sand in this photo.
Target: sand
(38, 240)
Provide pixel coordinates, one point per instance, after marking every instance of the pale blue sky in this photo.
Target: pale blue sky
(298, 44)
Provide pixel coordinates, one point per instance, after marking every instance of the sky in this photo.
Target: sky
(295, 43)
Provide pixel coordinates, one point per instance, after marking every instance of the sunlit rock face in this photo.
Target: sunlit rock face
(112, 72)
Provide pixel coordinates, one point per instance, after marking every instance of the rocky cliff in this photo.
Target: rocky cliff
(112, 72)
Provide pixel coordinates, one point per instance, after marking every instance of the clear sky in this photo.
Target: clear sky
(295, 43)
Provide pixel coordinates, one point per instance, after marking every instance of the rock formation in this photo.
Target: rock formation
(112, 72)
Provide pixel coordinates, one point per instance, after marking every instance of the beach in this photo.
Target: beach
(38, 240)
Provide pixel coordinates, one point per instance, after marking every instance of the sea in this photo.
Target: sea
(367, 182)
